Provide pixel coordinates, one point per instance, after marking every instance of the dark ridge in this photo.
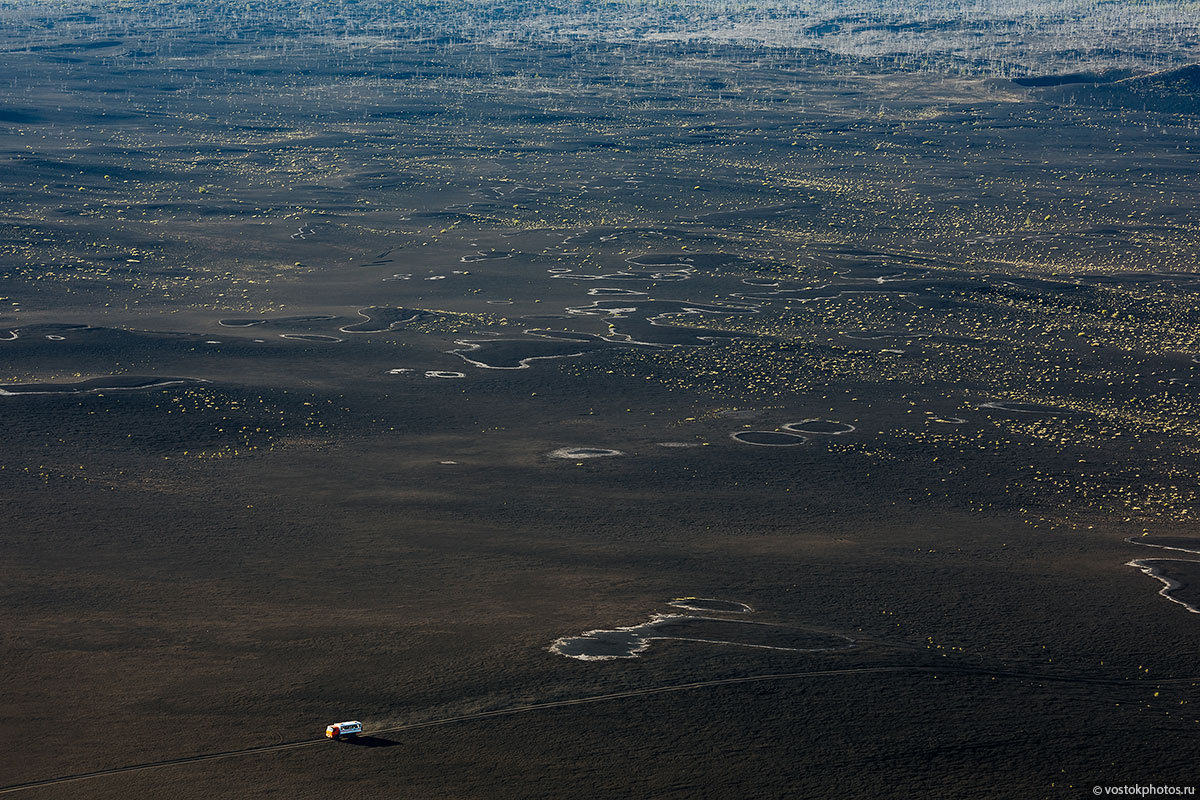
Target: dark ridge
(1181, 79)
(1171, 91)
(1045, 81)
(108, 383)
(18, 116)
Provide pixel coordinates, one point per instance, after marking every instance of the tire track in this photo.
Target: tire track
(579, 701)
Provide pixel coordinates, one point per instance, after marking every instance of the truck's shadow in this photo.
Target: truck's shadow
(370, 741)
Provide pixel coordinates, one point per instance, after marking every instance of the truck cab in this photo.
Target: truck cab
(343, 730)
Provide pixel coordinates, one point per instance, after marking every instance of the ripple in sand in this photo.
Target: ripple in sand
(1032, 408)
(1182, 544)
(597, 236)
(710, 604)
(826, 293)
(521, 353)
(583, 452)
(768, 438)
(1180, 579)
(653, 322)
(50, 330)
(488, 255)
(626, 275)
(249, 323)
(613, 292)
(873, 335)
(661, 262)
(631, 641)
(310, 337)
(823, 427)
(112, 383)
(379, 319)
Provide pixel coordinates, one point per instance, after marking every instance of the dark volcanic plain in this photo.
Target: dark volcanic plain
(257, 475)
